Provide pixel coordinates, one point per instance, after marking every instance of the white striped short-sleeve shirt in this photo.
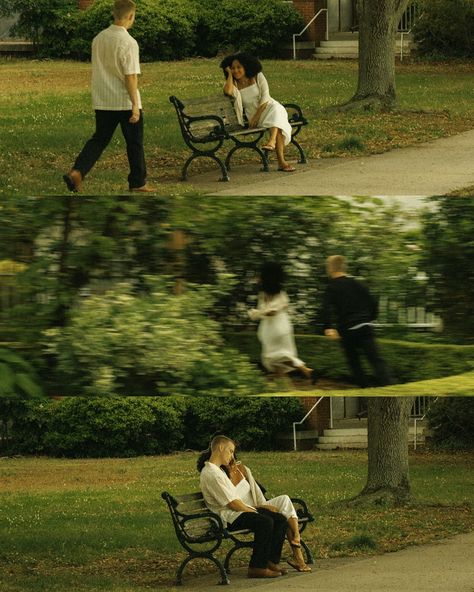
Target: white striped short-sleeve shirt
(115, 54)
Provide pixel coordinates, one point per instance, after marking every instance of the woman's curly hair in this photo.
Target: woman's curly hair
(250, 63)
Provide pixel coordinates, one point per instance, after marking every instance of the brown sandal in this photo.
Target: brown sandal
(301, 568)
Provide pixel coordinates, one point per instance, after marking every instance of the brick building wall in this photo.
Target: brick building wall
(320, 417)
(308, 8)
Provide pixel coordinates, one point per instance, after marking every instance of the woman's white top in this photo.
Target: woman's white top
(218, 490)
(250, 98)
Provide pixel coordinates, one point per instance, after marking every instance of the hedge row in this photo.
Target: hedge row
(165, 29)
(407, 361)
(130, 426)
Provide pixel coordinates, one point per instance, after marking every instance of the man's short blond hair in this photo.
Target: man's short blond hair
(123, 8)
(336, 264)
(218, 440)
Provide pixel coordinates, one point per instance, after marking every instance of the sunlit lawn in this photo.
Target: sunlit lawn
(88, 525)
(46, 116)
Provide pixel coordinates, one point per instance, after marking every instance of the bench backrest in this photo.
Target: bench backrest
(183, 507)
(219, 105)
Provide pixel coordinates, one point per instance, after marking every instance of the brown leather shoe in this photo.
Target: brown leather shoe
(260, 572)
(277, 567)
(143, 189)
(73, 181)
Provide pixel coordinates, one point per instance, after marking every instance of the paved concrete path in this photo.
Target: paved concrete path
(446, 566)
(431, 168)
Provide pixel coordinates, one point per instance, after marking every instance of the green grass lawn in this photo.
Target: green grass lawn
(94, 525)
(47, 117)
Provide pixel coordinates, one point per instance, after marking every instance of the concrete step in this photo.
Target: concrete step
(349, 432)
(355, 44)
(359, 445)
(342, 439)
(349, 49)
(345, 432)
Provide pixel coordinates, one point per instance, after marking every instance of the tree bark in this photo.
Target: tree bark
(388, 475)
(378, 22)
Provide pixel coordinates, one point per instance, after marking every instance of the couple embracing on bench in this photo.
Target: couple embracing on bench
(230, 490)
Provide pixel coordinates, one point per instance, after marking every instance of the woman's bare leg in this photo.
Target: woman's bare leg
(273, 139)
(280, 152)
(293, 532)
(294, 538)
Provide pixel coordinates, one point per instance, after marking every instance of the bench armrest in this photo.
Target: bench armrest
(214, 518)
(303, 508)
(297, 114)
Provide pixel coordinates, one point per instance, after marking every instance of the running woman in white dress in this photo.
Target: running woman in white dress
(275, 330)
(248, 86)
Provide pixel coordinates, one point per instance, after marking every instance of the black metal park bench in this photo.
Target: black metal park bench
(207, 122)
(201, 532)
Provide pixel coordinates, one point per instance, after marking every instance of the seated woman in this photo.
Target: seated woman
(251, 494)
(246, 83)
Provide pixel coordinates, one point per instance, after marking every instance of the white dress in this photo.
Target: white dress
(275, 333)
(251, 494)
(274, 115)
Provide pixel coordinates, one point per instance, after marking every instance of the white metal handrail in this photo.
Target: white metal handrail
(295, 423)
(415, 424)
(309, 24)
(402, 33)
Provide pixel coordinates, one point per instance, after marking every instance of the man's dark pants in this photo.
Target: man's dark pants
(362, 342)
(106, 123)
(270, 530)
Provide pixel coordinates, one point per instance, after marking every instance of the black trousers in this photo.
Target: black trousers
(106, 123)
(361, 342)
(270, 530)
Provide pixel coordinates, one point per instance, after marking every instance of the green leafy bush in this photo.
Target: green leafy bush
(445, 29)
(17, 377)
(23, 423)
(164, 29)
(129, 426)
(262, 27)
(115, 426)
(154, 342)
(451, 422)
(48, 23)
(253, 423)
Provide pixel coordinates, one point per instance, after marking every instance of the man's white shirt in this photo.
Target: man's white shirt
(115, 54)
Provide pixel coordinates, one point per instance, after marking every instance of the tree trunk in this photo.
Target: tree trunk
(388, 477)
(378, 22)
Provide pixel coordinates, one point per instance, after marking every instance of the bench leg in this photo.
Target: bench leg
(184, 174)
(307, 552)
(261, 153)
(189, 558)
(302, 159)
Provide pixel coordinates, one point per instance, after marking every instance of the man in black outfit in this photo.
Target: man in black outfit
(355, 309)
(222, 498)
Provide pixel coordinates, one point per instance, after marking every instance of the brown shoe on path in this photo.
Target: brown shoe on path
(260, 572)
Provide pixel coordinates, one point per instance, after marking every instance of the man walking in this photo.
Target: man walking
(355, 309)
(116, 100)
(221, 496)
